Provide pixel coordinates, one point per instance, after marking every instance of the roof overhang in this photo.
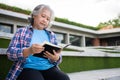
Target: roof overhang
(62, 25)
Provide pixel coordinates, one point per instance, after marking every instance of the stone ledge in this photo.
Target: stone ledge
(3, 51)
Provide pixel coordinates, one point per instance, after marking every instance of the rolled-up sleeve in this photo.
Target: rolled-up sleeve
(15, 49)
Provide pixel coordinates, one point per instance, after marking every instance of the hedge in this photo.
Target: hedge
(70, 64)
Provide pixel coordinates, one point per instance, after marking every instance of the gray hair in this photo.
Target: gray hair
(38, 9)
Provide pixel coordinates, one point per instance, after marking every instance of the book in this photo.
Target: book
(50, 47)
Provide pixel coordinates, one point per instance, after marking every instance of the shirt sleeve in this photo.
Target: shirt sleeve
(15, 49)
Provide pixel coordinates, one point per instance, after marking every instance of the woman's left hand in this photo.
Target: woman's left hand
(53, 57)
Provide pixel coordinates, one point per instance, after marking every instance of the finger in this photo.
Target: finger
(37, 46)
(37, 50)
(48, 53)
(55, 53)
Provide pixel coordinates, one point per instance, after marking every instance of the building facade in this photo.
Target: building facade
(77, 36)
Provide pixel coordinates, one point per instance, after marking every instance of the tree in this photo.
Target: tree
(114, 22)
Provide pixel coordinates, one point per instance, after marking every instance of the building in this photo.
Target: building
(82, 37)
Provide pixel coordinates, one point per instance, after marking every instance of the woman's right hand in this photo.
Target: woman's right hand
(36, 48)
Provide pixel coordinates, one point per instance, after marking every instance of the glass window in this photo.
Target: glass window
(19, 26)
(60, 37)
(75, 40)
(5, 28)
(89, 41)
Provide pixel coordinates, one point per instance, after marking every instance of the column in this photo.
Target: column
(83, 41)
(67, 40)
(14, 28)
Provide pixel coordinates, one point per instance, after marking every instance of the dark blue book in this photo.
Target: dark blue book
(50, 47)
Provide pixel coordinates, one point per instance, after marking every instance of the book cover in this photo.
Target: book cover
(48, 47)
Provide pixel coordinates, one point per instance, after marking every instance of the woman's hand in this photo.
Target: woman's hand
(34, 49)
(53, 57)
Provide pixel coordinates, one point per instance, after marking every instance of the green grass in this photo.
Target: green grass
(4, 43)
(77, 64)
(5, 65)
(66, 49)
(70, 64)
(111, 52)
(108, 50)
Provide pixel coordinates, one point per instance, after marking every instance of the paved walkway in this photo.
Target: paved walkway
(103, 74)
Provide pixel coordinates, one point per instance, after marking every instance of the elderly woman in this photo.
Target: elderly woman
(26, 43)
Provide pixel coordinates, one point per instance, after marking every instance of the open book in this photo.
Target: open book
(50, 47)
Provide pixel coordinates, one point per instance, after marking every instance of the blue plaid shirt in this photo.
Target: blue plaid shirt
(21, 40)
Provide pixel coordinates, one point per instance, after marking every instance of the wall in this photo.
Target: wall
(70, 64)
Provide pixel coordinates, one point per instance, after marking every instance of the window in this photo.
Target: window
(89, 41)
(6, 28)
(75, 40)
(19, 26)
(60, 37)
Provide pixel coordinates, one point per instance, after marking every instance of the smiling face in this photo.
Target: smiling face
(42, 20)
